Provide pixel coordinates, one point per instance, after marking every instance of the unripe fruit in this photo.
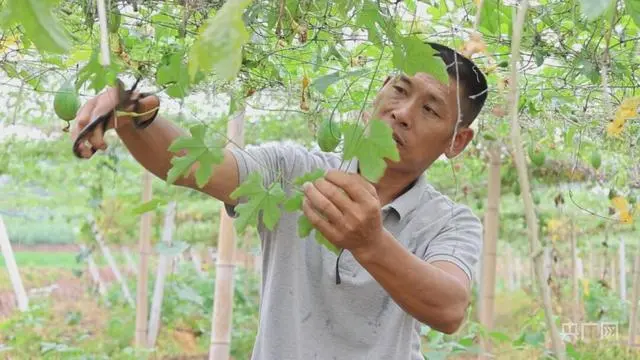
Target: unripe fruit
(66, 102)
(328, 135)
(596, 160)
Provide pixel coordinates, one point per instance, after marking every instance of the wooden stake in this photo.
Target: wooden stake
(225, 266)
(491, 227)
(144, 249)
(95, 274)
(575, 286)
(197, 263)
(622, 266)
(635, 294)
(112, 263)
(523, 176)
(131, 264)
(163, 266)
(12, 268)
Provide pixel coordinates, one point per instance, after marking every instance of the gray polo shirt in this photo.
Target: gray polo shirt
(304, 314)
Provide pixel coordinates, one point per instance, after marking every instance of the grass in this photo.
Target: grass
(66, 260)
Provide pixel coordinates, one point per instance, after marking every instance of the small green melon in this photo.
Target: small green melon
(328, 135)
(66, 102)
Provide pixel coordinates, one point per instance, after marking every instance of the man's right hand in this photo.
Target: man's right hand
(99, 105)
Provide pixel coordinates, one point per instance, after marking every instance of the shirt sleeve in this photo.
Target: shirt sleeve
(459, 242)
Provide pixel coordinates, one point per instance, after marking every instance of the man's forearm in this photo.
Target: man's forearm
(150, 147)
(425, 291)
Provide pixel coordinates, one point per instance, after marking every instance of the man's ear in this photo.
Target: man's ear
(460, 142)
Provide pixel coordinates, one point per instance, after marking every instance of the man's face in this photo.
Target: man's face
(423, 113)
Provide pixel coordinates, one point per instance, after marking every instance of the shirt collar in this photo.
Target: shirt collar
(404, 203)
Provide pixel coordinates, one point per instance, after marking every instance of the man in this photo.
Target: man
(409, 250)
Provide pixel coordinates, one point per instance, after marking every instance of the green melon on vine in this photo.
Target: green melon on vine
(328, 135)
(66, 102)
(537, 157)
(596, 159)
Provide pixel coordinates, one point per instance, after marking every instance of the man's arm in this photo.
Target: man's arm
(436, 294)
(433, 288)
(149, 146)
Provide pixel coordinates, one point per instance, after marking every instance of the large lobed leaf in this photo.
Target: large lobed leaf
(633, 8)
(412, 55)
(39, 24)
(259, 201)
(593, 9)
(370, 149)
(198, 151)
(219, 45)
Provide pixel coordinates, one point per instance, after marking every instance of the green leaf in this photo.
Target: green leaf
(499, 336)
(324, 242)
(304, 226)
(147, 206)
(39, 24)
(97, 75)
(370, 149)
(309, 177)
(633, 8)
(412, 55)
(322, 83)
(173, 71)
(369, 17)
(174, 249)
(493, 16)
(593, 9)
(219, 45)
(294, 203)
(198, 151)
(571, 351)
(259, 201)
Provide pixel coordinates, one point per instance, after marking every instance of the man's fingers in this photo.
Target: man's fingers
(334, 194)
(318, 222)
(319, 201)
(355, 186)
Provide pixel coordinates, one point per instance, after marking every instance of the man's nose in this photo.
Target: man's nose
(402, 116)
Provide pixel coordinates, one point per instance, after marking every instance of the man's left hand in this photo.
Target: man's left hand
(345, 208)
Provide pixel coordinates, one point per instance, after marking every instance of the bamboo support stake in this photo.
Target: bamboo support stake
(95, 274)
(223, 302)
(131, 264)
(613, 274)
(491, 227)
(143, 265)
(575, 286)
(622, 266)
(197, 263)
(112, 263)
(523, 176)
(635, 294)
(12, 268)
(163, 267)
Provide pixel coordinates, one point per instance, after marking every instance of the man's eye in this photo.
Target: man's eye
(430, 110)
(399, 89)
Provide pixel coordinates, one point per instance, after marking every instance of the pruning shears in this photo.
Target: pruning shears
(125, 100)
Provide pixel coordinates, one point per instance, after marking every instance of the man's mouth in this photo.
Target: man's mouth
(397, 139)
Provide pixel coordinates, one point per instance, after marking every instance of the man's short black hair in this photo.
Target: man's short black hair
(473, 84)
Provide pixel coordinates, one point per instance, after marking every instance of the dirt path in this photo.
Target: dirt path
(66, 288)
